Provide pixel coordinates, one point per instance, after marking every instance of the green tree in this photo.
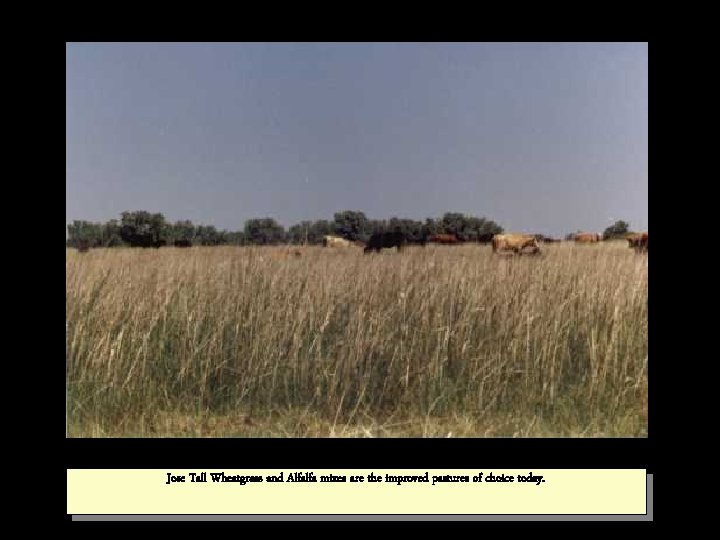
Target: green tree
(309, 232)
(301, 233)
(453, 223)
(84, 233)
(264, 231)
(319, 229)
(207, 235)
(413, 230)
(466, 228)
(617, 230)
(182, 230)
(141, 228)
(431, 226)
(481, 227)
(351, 224)
(111, 234)
(235, 238)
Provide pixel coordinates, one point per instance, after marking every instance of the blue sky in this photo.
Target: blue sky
(540, 137)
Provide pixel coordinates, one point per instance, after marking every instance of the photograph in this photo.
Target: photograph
(291, 240)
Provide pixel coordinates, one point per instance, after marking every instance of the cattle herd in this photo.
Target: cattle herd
(501, 243)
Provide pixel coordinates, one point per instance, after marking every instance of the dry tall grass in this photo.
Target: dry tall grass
(440, 341)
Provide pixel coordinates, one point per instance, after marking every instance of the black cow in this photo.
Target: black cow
(382, 240)
(183, 243)
(485, 238)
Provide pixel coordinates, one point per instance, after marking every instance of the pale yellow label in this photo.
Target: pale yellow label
(400, 491)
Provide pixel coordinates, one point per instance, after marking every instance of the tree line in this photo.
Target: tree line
(141, 228)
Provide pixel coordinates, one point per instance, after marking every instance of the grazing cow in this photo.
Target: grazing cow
(335, 241)
(515, 243)
(182, 243)
(382, 240)
(443, 239)
(639, 241)
(587, 238)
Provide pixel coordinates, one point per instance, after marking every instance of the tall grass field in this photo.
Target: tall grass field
(441, 341)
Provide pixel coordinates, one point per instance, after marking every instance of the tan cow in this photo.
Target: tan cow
(515, 243)
(587, 238)
(335, 241)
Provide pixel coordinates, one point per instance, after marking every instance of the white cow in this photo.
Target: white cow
(335, 241)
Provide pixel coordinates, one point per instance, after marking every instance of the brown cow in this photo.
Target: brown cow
(638, 241)
(443, 239)
(515, 243)
(631, 237)
(587, 238)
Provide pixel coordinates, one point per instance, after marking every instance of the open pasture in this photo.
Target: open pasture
(435, 341)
